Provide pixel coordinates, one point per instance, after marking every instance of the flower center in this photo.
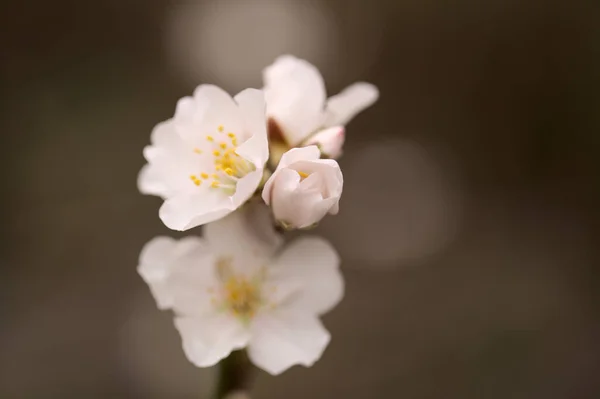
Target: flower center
(228, 166)
(240, 295)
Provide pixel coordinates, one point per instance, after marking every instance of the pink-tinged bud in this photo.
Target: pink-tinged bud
(330, 141)
(303, 188)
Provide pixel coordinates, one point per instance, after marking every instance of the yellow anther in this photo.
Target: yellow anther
(218, 167)
(223, 145)
(210, 138)
(216, 153)
(220, 128)
(214, 176)
(229, 171)
(195, 180)
(197, 150)
(231, 135)
(303, 175)
(204, 175)
(214, 184)
(242, 296)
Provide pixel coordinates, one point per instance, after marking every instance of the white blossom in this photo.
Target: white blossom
(209, 158)
(303, 188)
(296, 100)
(237, 288)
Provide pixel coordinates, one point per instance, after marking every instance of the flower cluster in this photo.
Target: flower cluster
(248, 168)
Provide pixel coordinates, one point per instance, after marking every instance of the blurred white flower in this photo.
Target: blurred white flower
(234, 289)
(296, 99)
(208, 159)
(303, 188)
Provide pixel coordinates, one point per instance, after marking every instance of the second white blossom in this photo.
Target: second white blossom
(237, 287)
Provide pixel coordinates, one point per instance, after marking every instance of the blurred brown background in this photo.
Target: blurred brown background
(468, 227)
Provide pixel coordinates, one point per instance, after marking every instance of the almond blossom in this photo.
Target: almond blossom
(297, 104)
(238, 287)
(209, 158)
(303, 188)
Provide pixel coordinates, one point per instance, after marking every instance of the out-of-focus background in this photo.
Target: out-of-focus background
(469, 222)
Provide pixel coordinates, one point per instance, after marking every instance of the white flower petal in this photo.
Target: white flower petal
(151, 182)
(291, 156)
(164, 134)
(202, 114)
(158, 251)
(295, 95)
(330, 141)
(209, 339)
(307, 276)
(244, 233)
(252, 107)
(186, 211)
(342, 107)
(173, 167)
(246, 187)
(185, 109)
(159, 259)
(297, 207)
(154, 267)
(193, 284)
(287, 179)
(282, 339)
(170, 163)
(328, 171)
(299, 154)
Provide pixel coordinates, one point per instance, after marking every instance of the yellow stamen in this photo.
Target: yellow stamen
(214, 184)
(241, 296)
(220, 128)
(303, 175)
(216, 153)
(229, 171)
(197, 150)
(223, 145)
(210, 138)
(204, 175)
(195, 180)
(231, 135)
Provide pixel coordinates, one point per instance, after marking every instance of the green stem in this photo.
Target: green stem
(235, 374)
